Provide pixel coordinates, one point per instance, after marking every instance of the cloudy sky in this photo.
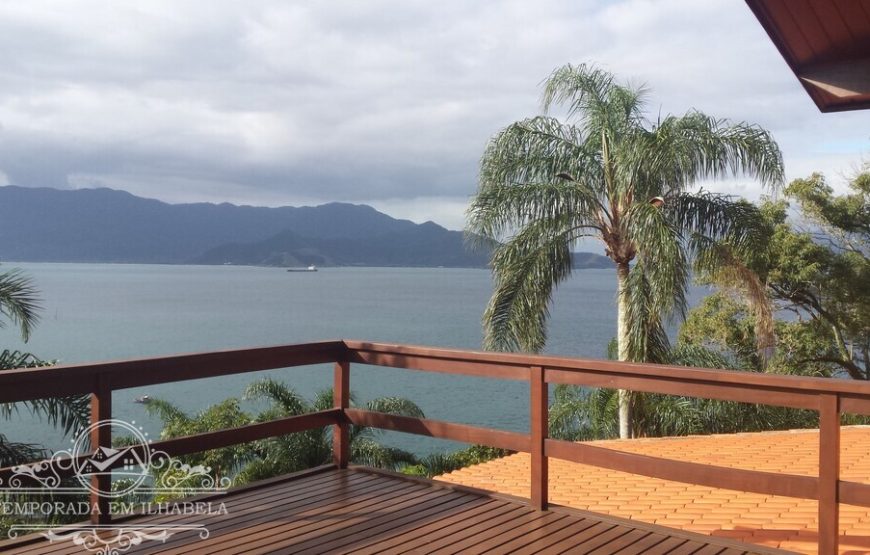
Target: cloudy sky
(388, 103)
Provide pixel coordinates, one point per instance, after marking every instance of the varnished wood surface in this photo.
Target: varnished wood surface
(831, 396)
(366, 512)
(826, 44)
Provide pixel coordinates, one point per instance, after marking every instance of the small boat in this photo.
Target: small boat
(143, 399)
(311, 268)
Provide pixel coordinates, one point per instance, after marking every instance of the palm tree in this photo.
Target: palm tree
(285, 454)
(20, 304)
(290, 453)
(19, 301)
(580, 414)
(610, 174)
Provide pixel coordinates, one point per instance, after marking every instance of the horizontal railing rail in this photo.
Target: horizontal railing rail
(829, 397)
(77, 379)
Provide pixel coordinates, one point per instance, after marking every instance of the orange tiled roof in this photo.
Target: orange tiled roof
(763, 519)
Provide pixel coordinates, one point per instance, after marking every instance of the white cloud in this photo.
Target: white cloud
(385, 102)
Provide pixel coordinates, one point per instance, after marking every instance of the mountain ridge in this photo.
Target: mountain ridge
(39, 224)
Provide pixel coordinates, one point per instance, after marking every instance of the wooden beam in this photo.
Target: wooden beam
(58, 381)
(538, 422)
(101, 436)
(789, 485)
(829, 474)
(511, 441)
(341, 402)
(843, 80)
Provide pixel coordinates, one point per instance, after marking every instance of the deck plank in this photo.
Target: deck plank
(602, 540)
(572, 530)
(243, 521)
(298, 491)
(621, 543)
(643, 545)
(589, 534)
(538, 539)
(296, 523)
(392, 514)
(408, 539)
(494, 537)
(283, 495)
(389, 526)
(366, 512)
(667, 546)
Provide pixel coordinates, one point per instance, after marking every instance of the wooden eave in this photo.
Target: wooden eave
(827, 45)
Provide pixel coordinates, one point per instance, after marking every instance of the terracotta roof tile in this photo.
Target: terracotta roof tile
(763, 519)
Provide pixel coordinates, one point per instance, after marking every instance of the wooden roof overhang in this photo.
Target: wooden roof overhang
(827, 45)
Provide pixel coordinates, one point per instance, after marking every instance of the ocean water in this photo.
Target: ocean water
(95, 312)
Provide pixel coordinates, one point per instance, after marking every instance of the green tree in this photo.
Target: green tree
(442, 463)
(823, 274)
(816, 272)
(19, 301)
(20, 305)
(609, 174)
(222, 462)
(581, 414)
(280, 455)
(290, 453)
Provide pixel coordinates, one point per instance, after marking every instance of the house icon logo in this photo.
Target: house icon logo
(127, 467)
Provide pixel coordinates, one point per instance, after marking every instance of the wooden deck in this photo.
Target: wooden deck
(365, 511)
(316, 522)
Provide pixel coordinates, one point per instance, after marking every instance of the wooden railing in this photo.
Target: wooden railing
(829, 397)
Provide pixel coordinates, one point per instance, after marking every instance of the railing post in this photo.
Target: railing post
(538, 402)
(341, 400)
(829, 473)
(101, 436)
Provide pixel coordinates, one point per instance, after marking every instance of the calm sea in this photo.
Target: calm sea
(95, 312)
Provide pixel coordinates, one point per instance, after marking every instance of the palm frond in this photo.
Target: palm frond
(395, 405)
(70, 413)
(719, 264)
(592, 96)
(277, 392)
(646, 339)
(370, 453)
(19, 301)
(683, 149)
(13, 453)
(526, 270)
(661, 253)
(718, 218)
(166, 411)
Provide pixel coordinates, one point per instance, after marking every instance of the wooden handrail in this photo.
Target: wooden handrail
(559, 370)
(77, 379)
(829, 397)
(501, 439)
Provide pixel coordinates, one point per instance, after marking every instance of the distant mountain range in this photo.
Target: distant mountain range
(105, 225)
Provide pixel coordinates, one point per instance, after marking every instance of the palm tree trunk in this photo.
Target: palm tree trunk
(622, 270)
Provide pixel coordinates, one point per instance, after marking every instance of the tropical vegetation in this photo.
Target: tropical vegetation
(812, 268)
(19, 306)
(815, 270)
(442, 463)
(609, 173)
(284, 454)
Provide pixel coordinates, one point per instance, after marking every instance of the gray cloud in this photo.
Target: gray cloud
(385, 102)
